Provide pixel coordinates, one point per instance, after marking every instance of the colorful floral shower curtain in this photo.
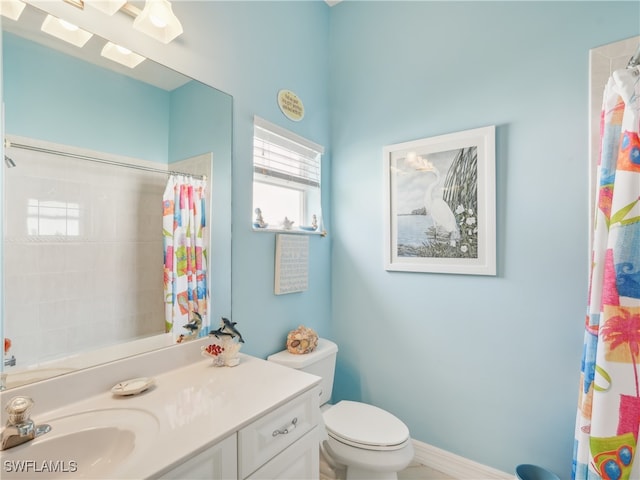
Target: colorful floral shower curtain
(608, 419)
(186, 239)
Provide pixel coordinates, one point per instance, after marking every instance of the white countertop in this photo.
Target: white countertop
(195, 405)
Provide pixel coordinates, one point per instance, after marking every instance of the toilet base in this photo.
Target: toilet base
(369, 465)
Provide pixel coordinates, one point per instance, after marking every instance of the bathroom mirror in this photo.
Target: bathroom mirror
(82, 246)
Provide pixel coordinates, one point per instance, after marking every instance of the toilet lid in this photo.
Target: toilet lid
(365, 426)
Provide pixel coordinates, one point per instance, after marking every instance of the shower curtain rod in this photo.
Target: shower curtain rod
(101, 160)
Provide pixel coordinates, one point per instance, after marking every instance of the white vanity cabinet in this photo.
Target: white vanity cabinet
(298, 461)
(215, 463)
(282, 444)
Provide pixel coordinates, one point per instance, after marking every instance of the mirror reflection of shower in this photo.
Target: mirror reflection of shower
(89, 225)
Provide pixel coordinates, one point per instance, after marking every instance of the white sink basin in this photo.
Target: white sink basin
(91, 444)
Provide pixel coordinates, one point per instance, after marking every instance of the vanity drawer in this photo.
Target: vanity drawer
(271, 434)
(299, 461)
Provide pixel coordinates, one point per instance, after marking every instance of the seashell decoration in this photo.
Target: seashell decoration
(302, 340)
(223, 352)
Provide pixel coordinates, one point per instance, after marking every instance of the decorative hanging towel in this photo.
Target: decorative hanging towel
(186, 239)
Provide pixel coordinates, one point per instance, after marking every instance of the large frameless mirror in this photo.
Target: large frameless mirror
(88, 143)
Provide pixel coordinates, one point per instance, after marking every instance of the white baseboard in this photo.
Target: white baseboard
(454, 465)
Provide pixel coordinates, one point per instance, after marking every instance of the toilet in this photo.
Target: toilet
(363, 441)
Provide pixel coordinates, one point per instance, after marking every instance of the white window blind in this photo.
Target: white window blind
(286, 180)
(282, 155)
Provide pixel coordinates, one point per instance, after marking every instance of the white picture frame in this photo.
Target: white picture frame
(440, 204)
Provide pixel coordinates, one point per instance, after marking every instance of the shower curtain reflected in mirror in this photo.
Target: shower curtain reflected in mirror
(608, 418)
(186, 240)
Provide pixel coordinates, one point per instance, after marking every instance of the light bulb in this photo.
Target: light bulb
(122, 55)
(65, 30)
(157, 21)
(69, 26)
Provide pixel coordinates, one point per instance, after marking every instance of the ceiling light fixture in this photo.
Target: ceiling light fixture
(106, 6)
(122, 55)
(65, 31)
(158, 21)
(12, 8)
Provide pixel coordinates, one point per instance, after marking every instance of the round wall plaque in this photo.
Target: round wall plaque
(290, 105)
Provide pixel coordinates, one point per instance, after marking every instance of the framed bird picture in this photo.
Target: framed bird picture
(440, 204)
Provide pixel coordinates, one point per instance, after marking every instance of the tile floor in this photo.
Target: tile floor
(415, 471)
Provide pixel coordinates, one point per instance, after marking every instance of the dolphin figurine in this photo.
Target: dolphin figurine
(228, 328)
(195, 324)
(219, 332)
(231, 326)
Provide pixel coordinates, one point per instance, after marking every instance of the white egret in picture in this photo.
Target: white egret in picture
(437, 204)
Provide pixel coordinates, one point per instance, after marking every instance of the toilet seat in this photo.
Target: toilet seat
(365, 426)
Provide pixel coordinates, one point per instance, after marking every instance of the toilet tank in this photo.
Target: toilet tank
(320, 362)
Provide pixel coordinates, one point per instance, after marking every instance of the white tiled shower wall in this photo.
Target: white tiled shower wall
(83, 254)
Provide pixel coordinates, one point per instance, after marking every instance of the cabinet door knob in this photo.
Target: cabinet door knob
(286, 429)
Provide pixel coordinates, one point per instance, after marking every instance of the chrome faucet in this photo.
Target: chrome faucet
(20, 428)
(10, 361)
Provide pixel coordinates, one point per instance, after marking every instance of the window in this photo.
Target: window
(286, 180)
(46, 218)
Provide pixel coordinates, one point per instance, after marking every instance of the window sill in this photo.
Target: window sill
(295, 231)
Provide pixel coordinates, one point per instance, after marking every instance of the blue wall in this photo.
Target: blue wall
(255, 50)
(81, 104)
(485, 367)
(196, 125)
(53, 96)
